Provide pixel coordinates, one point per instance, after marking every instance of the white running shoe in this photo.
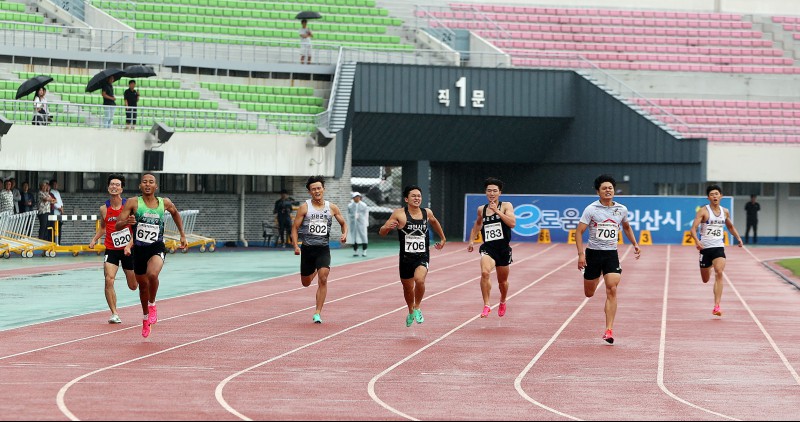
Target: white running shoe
(364, 253)
(114, 319)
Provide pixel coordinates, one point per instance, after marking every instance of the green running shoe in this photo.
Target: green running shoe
(410, 319)
(317, 319)
(418, 316)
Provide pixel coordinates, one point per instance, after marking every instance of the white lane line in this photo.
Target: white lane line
(201, 310)
(662, 346)
(764, 331)
(374, 380)
(221, 386)
(60, 397)
(524, 373)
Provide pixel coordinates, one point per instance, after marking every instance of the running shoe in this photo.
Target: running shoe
(364, 253)
(418, 316)
(145, 328)
(501, 310)
(486, 310)
(114, 319)
(355, 253)
(409, 319)
(153, 314)
(717, 311)
(608, 337)
(317, 319)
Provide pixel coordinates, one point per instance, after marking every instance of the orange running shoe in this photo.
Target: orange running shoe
(608, 337)
(486, 311)
(717, 311)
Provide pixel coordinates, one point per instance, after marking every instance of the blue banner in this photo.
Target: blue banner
(666, 217)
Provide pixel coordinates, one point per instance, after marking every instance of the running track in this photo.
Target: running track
(251, 351)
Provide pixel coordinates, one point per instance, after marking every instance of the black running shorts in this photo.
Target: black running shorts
(708, 255)
(312, 258)
(600, 262)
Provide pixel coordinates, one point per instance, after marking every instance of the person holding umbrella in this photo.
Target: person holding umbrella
(305, 42)
(109, 100)
(41, 115)
(131, 100)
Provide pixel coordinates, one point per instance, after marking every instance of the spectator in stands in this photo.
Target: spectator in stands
(131, 101)
(6, 197)
(58, 206)
(358, 221)
(305, 42)
(109, 101)
(283, 213)
(26, 203)
(45, 203)
(41, 115)
(17, 195)
(752, 208)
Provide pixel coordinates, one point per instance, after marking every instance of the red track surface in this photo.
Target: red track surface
(251, 351)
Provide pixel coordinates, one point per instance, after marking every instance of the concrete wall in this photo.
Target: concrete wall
(51, 148)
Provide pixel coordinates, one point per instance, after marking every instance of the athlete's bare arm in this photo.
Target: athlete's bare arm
(397, 219)
(729, 224)
(176, 216)
(298, 221)
(476, 228)
(437, 227)
(579, 244)
(701, 216)
(506, 213)
(337, 214)
(101, 228)
(127, 215)
(626, 227)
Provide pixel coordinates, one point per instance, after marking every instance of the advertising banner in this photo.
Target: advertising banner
(666, 217)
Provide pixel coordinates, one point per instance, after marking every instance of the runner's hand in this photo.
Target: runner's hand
(91, 244)
(440, 244)
(184, 243)
(470, 248)
(128, 250)
(637, 251)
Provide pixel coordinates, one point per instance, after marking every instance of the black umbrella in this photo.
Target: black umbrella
(139, 71)
(99, 79)
(33, 85)
(308, 15)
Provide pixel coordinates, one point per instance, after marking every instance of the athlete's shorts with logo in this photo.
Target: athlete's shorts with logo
(410, 262)
(313, 258)
(502, 257)
(600, 262)
(117, 257)
(708, 255)
(142, 255)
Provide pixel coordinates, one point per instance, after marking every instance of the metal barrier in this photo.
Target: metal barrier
(16, 232)
(172, 237)
(77, 248)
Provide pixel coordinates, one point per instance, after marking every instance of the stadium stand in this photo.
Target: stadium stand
(731, 120)
(349, 23)
(620, 39)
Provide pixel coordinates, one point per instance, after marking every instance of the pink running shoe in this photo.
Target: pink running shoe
(501, 310)
(152, 313)
(145, 328)
(608, 337)
(486, 310)
(717, 311)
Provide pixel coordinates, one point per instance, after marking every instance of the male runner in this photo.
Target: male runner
(115, 242)
(412, 224)
(603, 218)
(711, 244)
(495, 221)
(149, 251)
(313, 222)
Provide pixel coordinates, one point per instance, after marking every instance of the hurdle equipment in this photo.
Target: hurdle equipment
(172, 237)
(16, 236)
(74, 249)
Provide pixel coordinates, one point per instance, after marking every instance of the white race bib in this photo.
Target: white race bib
(415, 244)
(713, 231)
(494, 231)
(318, 228)
(606, 231)
(121, 238)
(146, 233)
